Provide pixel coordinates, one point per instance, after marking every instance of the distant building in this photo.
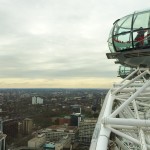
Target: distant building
(64, 142)
(75, 119)
(10, 127)
(2, 141)
(86, 129)
(90, 96)
(24, 95)
(1, 125)
(3, 114)
(54, 99)
(64, 120)
(56, 132)
(33, 100)
(27, 126)
(2, 137)
(37, 100)
(77, 98)
(37, 142)
(76, 108)
(49, 146)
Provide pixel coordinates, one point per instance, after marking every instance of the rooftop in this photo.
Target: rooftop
(63, 128)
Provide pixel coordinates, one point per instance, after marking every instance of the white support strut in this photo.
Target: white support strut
(126, 114)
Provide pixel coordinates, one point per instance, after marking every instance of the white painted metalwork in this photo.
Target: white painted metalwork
(125, 115)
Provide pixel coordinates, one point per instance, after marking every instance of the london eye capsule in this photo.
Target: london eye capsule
(129, 40)
(123, 71)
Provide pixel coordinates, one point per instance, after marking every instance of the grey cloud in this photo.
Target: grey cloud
(55, 74)
(58, 39)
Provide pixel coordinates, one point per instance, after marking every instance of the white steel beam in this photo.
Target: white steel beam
(97, 129)
(104, 134)
(127, 137)
(141, 133)
(126, 122)
(125, 85)
(116, 112)
(130, 75)
(122, 146)
(132, 99)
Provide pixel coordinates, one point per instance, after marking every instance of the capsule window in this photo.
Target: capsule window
(141, 20)
(123, 25)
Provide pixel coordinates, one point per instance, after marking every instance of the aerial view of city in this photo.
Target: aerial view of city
(74, 75)
(48, 118)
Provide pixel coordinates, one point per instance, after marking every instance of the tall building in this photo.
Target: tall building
(10, 127)
(37, 100)
(75, 119)
(86, 128)
(27, 126)
(33, 100)
(2, 141)
(2, 136)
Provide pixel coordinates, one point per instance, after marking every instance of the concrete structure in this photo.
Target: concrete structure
(65, 142)
(56, 132)
(86, 128)
(75, 119)
(10, 127)
(37, 100)
(37, 142)
(90, 96)
(49, 146)
(33, 100)
(62, 121)
(27, 126)
(3, 114)
(2, 141)
(76, 108)
(1, 124)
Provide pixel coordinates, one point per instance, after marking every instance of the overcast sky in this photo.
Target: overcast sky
(59, 43)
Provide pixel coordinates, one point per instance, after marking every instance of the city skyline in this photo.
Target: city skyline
(59, 44)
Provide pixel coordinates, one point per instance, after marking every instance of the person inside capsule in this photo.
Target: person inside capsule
(139, 39)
